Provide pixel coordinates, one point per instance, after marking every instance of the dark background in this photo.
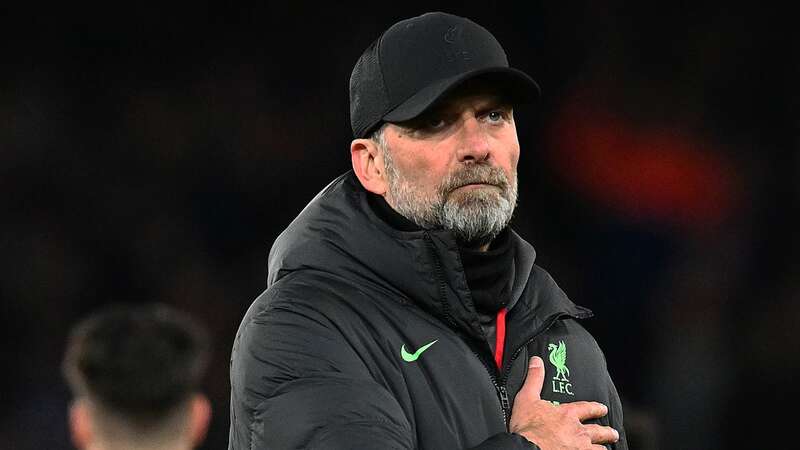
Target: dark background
(154, 154)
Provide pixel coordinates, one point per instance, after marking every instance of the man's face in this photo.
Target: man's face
(455, 167)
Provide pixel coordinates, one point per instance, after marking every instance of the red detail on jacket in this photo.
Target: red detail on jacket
(500, 338)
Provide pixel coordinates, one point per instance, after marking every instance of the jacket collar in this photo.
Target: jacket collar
(339, 233)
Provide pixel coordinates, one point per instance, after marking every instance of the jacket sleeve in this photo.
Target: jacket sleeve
(296, 383)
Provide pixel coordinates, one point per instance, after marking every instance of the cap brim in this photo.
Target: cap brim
(520, 87)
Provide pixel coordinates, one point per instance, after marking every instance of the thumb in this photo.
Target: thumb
(535, 379)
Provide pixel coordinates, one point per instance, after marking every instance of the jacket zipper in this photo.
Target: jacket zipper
(506, 405)
(502, 393)
(500, 385)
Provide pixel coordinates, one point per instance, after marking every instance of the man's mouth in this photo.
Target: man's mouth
(475, 185)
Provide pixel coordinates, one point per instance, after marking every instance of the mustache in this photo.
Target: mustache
(475, 174)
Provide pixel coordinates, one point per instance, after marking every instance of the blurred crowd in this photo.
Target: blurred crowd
(154, 155)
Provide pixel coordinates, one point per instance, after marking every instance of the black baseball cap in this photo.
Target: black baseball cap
(416, 61)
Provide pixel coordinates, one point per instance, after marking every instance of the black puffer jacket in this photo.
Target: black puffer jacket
(320, 358)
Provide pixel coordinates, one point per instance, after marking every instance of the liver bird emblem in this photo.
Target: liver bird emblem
(558, 357)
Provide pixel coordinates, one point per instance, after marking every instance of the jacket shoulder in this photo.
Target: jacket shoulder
(295, 361)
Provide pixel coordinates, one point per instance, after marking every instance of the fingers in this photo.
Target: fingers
(587, 410)
(601, 435)
(535, 379)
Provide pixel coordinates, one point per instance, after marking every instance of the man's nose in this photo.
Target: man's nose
(474, 145)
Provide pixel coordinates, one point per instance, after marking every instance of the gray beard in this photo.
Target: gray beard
(474, 216)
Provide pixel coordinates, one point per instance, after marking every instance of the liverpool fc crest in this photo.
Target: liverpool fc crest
(558, 357)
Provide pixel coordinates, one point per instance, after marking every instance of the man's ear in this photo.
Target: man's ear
(200, 416)
(80, 424)
(368, 165)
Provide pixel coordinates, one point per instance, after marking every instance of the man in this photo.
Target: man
(401, 311)
(135, 374)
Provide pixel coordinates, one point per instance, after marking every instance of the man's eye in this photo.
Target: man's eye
(434, 124)
(496, 116)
